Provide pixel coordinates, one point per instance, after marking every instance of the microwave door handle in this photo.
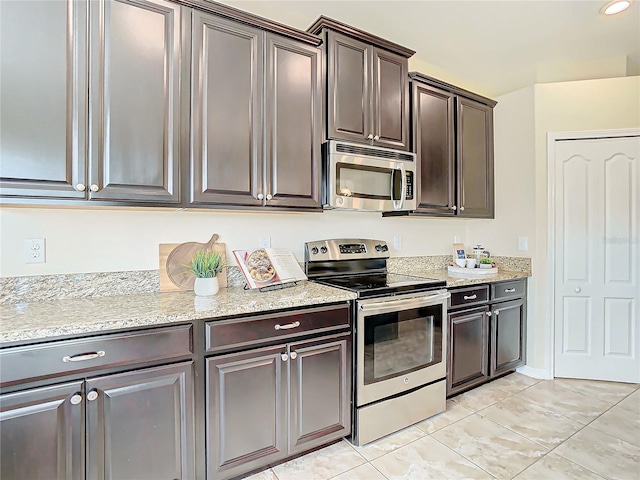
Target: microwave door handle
(397, 204)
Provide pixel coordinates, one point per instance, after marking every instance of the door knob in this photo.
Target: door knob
(578, 289)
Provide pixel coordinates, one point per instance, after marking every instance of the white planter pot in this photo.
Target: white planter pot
(206, 287)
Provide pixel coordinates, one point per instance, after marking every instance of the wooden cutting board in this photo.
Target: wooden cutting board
(166, 285)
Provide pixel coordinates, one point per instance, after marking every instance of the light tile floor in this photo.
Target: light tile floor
(515, 427)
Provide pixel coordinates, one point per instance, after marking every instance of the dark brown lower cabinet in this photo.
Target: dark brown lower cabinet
(136, 425)
(140, 424)
(265, 404)
(41, 433)
(487, 333)
(468, 349)
(507, 336)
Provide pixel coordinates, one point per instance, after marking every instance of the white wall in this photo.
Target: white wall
(105, 240)
(604, 104)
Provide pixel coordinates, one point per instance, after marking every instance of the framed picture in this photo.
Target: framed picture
(458, 251)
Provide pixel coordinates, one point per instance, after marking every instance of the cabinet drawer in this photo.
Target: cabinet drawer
(231, 334)
(500, 291)
(469, 296)
(70, 356)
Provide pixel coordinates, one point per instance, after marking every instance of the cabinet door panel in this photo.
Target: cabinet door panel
(141, 424)
(349, 88)
(293, 122)
(226, 109)
(41, 434)
(507, 336)
(433, 114)
(475, 159)
(390, 100)
(135, 100)
(246, 411)
(320, 392)
(43, 95)
(468, 349)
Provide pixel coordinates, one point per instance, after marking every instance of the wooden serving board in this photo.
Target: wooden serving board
(166, 285)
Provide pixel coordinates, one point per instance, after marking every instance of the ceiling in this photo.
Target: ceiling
(488, 46)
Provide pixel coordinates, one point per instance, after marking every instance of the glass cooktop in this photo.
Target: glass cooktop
(369, 285)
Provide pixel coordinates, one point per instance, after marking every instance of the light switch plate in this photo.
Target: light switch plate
(397, 242)
(523, 244)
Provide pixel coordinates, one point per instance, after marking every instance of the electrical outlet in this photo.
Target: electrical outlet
(397, 242)
(264, 242)
(34, 251)
(456, 239)
(523, 244)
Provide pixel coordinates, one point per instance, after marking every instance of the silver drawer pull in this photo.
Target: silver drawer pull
(83, 356)
(471, 297)
(287, 326)
(509, 290)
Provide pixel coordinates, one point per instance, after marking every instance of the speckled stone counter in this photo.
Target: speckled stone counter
(461, 281)
(26, 322)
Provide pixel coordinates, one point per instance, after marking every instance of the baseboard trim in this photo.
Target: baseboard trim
(541, 373)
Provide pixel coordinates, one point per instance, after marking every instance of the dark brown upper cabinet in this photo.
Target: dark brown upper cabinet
(256, 116)
(452, 136)
(367, 86)
(118, 143)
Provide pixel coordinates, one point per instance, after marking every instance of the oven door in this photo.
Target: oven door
(401, 344)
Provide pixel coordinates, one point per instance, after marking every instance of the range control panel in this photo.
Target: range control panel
(345, 249)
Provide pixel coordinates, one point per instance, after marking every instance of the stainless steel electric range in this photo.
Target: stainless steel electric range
(399, 328)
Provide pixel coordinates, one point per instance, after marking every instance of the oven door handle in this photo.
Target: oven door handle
(405, 304)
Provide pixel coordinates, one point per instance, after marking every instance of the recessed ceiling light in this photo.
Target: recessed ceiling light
(615, 6)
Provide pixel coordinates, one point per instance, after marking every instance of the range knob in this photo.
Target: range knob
(314, 250)
(323, 249)
(378, 248)
(385, 248)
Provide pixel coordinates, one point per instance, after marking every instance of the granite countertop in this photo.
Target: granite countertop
(33, 321)
(24, 322)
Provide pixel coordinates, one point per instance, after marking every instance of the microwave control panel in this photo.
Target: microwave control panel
(409, 185)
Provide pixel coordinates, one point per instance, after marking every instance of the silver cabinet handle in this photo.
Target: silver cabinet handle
(83, 356)
(81, 187)
(294, 355)
(462, 209)
(269, 197)
(260, 196)
(470, 297)
(377, 137)
(287, 326)
(488, 314)
(497, 312)
(454, 208)
(370, 136)
(94, 187)
(284, 357)
(92, 395)
(509, 290)
(76, 399)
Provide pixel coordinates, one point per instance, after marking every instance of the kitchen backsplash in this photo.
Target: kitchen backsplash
(85, 285)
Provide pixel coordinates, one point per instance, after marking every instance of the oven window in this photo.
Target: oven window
(402, 342)
(363, 182)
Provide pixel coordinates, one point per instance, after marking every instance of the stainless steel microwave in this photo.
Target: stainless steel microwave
(362, 177)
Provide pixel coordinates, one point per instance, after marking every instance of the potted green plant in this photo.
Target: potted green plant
(205, 265)
(486, 262)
